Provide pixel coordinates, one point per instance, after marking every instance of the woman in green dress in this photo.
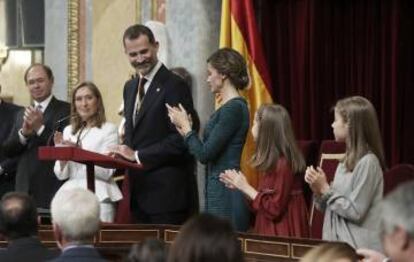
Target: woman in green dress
(224, 135)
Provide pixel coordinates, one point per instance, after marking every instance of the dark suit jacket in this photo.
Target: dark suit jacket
(7, 115)
(34, 176)
(163, 185)
(80, 254)
(27, 249)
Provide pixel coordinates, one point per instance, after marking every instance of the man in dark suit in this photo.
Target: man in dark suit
(33, 128)
(159, 192)
(75, 216)
(8, 166)
(18, 223)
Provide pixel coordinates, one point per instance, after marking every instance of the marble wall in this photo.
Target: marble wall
(56, 44)
(110, 67)
(193, 28)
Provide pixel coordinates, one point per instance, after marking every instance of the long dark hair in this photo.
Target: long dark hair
(364, 133)
(275, 139)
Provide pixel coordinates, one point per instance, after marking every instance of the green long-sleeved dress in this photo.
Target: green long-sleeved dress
(223, 140)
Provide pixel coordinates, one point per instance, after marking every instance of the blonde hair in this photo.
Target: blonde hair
(276, 139)
(363, 130)
(98, 119)
(330, 252)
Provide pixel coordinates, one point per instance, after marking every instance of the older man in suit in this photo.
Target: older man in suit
(159, 192)
(8, 166)
(33, 128)
(74, 231)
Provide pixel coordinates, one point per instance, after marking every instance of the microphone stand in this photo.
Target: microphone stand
(56, 126)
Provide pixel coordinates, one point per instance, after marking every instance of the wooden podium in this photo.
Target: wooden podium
(90, 159)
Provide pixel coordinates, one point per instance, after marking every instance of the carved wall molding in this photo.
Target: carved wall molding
(73, 44)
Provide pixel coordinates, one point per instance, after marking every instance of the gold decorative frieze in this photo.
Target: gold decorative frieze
(73, 44)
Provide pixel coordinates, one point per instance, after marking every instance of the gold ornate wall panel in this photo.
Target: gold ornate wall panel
(73, 44)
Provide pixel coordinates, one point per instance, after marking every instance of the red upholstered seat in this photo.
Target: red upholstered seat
(331, 153)
(397, 175)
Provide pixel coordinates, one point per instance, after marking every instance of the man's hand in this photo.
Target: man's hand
(122, 151)
(32, 121)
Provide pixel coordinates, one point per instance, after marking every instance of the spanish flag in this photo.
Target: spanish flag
(239, 31)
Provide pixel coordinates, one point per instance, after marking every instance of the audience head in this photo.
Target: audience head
(206, 238)
(273, 132)
(18, 216)
(227, 64)
(87, 106)
(39, 79)
(331, 252)
(398, 223)
(356, 124)
(141, 48)
(75, 216)
(150, 250)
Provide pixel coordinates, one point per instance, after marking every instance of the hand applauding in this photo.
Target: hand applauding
(316, 179)
(233, 179)
(32, 121)
(59, 141)
(237, 180)
(180, 118)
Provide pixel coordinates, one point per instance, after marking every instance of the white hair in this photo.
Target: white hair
(398, 209)
(76, 213)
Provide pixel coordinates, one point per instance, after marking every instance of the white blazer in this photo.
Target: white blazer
(97, 140)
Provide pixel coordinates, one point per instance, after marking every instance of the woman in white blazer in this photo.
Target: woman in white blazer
(90, 131)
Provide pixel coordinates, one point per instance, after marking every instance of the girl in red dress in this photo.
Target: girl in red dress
(278, 202)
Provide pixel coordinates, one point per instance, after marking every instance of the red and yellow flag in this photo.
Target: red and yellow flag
(239, 31)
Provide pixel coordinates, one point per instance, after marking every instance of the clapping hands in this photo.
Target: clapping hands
(32, 120)
(180, 119)
(316, 179)
(59, 141)
(233, 179)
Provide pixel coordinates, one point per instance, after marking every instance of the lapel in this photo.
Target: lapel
(154, 91)
(130, 101)
(50, 110)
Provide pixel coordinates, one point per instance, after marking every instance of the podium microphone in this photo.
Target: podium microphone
(63, 119)
(56, 125)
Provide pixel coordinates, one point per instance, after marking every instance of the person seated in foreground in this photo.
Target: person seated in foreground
(75, 220)
(331, 252)
(206, 238)
(149, 250)
(397, 217)
(18, 223)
